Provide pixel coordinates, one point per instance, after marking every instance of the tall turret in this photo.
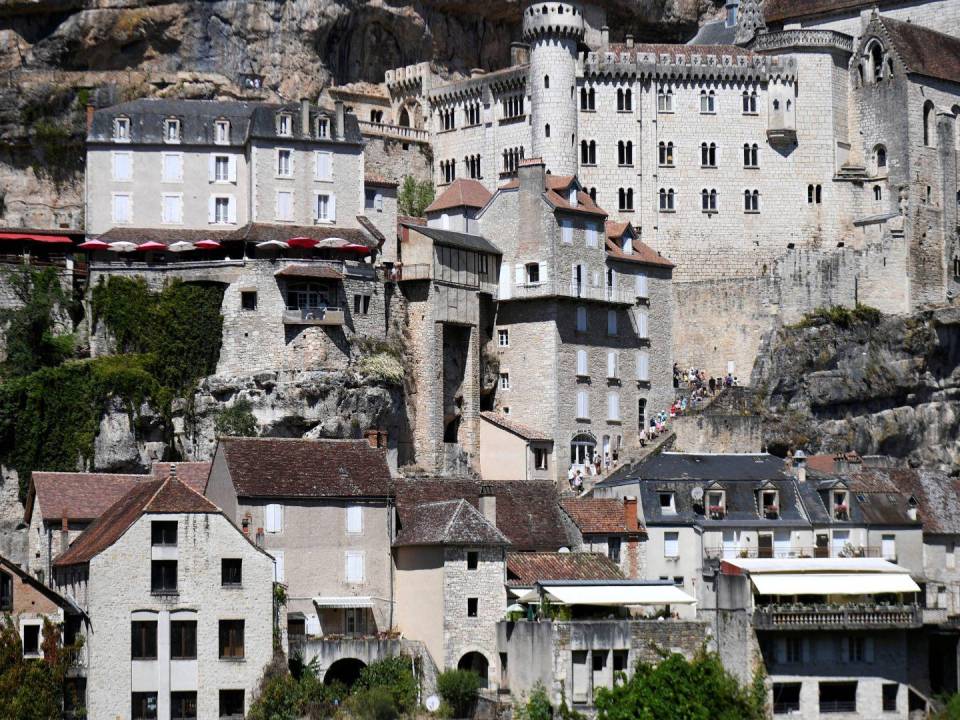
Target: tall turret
(554, 30)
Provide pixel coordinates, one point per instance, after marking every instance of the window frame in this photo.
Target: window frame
(186, 643)
(227, 636)
(228, 570)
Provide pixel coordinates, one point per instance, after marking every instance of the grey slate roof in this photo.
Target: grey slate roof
(456, 239)
(447, 522)
(938, 499)
(709, 467)
(714, 33)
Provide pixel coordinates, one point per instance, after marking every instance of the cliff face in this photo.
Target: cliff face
(889, 387)
(57, 55)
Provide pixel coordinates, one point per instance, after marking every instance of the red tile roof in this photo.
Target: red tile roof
(598, 515)
(527, 433)
(461, 193)
(77, 496)
(526, 568)
(153, 496)
(290, 468)
(192, 474)
(447, 522)
(924, 51)
(379, 181)
(553, 186)
(642, 253)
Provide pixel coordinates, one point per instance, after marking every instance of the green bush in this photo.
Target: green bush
(382, 367)
(396, 675)
(375, 703)
(537, 706)
(459, 688)
(236, 420)
(414, 196)
(842, 317)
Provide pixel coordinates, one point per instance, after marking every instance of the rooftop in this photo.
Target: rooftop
(76, 496)
(599, 515)
(447, 522)
(924, 51)
(524, 569)
(709, 466)
(642, 253)
(461, 193)
(455, 239)
(519, 429)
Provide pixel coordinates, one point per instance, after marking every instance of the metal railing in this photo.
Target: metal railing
(866, 551)
(838, 706)
(802, 617)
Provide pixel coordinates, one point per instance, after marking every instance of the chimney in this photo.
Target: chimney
(630, 513)
(304, 116)
(64, 533)
(339, 132)
(488, 503)
(90, 110)
(532, 176)
(519, 53)
(800, 465)
(376, 438)
(629, 39)
(605, 36)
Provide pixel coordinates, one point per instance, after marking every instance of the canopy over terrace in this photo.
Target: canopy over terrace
(825, 576)
(611, 593)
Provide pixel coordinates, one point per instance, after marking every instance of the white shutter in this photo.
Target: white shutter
(232, 168)
(643, 366)
(596, 278)
(273, 518)
(642, 285)
(211, 209)
(611, 364)
(212, 164)
(642, 319)
(613, 406)
(332, 208)
(505, 287)
(232, 210)
(354, 518)
(518, 274)
(543, 272)
(277, 565)
(354, 566)
(582, 363)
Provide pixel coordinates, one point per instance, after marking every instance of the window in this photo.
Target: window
(248, 300)
(354, 519)
(708, 102)
(353, 564)
(284, 163)
(879, 158)
(513, 107)
(373, 200)
(473, 559)
(6, 592)
(171, 167)
(504, 381)
(163, 532)
(786, 698)
(121, 208)
(503, 337)
(665, 100)
(581, 449)
(625, 153)
(666, 154)
(143, 640)
(671, 544)
(890, 692)
(122, 166)
(624, 100)
(813, 194)
(581, 319)
(472, 163)
(171, 131)
(511, 160)
(284, 125)
(231, 638)
(643, 366)
(641, 285)
(751, 201)
(611, 322)
(324, 166)
(582, 368)
(877, 193)
(323, 128)
(546, 130)
(667, 504)
(143, 706)
(588, 152)
(625, 197)
(667, 200)
(231, 571)
(856, 649)
(566, 231)
(472, 604)
(183, 706)
(221, 168)
(708, 200)
(325, 209)
(284, 205)
(163, 577)
(231, 704)
(448, 170)
(273, 518)
(929, 124)
(183, 639)
(613, 548)
(751, 157)
(221, 132)
(588, 99)
(222, 210)
(613, 365)
(172, 209)
(31, 640)
(613, 407)
(121, 129)
(708, 155)
(888, 547)
(793, 647)
(361, 304)
(583, 405)
(540, 456)
(532, 271)
(749, 103)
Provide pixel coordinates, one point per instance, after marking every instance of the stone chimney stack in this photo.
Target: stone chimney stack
(800, 465)
(519, 53)
(532, 175)
(629, 40)
(339, 130)
(605, 37)
(304, 116)
(630, 513)
(488, 503)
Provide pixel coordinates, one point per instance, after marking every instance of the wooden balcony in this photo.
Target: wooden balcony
(313, 316)
(829, 617)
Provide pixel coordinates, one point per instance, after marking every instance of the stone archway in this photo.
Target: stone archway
(404, 118)
(476, 662)
(346, 671)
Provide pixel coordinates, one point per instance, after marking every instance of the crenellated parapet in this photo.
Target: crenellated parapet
(737, 66)
(802, 40)
(553, 20)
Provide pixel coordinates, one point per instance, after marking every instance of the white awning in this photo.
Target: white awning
(832, 583)
(343, 602)
(612, 595)
(755, 566)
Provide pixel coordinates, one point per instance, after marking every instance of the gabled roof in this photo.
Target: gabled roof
(297, 468)
(524, 569)
(519, 429)
(708, 466)
(937, 496)
(555, 190)
(461, 193)
(598, 515)
(154, 496)
(775, 11)
(192, 474)
(528, 511)
(924, 51)
(455, 239)
(642, 253)
(447, 522)
(28, 579)
(80, 497)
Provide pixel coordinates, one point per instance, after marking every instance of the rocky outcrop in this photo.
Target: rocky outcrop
(890, 387)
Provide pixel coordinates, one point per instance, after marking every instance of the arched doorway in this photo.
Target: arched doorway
(404, 120)
(475, 662)
(582, 448)
(346, 671)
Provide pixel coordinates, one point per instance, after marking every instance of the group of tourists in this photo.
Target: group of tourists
(699, 384)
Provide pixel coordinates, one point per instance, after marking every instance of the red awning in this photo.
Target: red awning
(302, 242)
(355, 247)
(53, 239)
(93, 245)
(207, 244)
(151, 245)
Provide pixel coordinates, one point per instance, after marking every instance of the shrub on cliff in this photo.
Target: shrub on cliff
(842, 317)
(236, 420)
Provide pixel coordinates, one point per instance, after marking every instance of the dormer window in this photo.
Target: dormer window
(121, 129)
(221, 132)
(716, 504)
(323, 128)
(841, 504)
(171, 130)
(770, 504)
(284, 125)
(668, 504)
(627, 246)
(572, 196)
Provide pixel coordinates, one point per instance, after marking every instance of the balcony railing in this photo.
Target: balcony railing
(550, 288)
(400, 132)
(412, 272)
(807, 617)
(838, 706)
(872, 551)
(313, 316)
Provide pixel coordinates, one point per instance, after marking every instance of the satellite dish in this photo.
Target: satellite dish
(697, 494)
(433, 703)
(564, 550)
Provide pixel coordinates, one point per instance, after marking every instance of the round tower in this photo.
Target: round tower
(554, 30)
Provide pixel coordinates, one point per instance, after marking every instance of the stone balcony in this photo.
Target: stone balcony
(313, 316)
(832, 617)
(396, 132)
(550, 288)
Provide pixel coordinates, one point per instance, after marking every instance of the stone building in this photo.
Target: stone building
(610, 527)
(510, 450)
(180, 605)
(818, 141)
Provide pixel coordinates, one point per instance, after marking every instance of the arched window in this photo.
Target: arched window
(751, 155)
(592, 99)
(929, 130)
(749, 102)
(708, 200)
(582, 447)
(708, 155)
(776, 104)
(880, 158)
(667, 200)
(620, 99)
(877, 193)
(583, 99)
(625, 152)
(593, 152)
(546, 130)
(751, 201)
(665, 100)
(625, 195)
(546, 82)
(593, 194)
(876, 61)
(584, 153)
(708, 102)
(628, 100)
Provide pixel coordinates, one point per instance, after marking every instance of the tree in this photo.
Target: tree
(459, 689)
(236, 420)
(414, 196)
(30, 339)
(681, 689)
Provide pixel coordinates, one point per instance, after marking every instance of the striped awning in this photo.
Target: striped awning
(332, 601)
